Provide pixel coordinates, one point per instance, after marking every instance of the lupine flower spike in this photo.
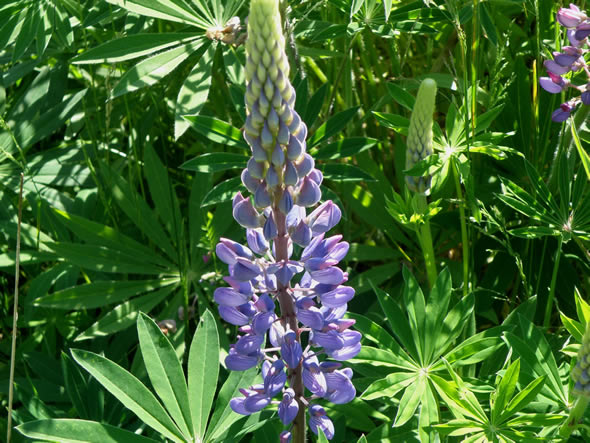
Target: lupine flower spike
(570, 59)
(419, 143)
(309, 330)
(581, 389)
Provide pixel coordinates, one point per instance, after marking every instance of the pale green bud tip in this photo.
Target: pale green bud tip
(581, 372)
(419, 140)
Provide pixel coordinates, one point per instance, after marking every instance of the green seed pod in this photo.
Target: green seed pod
(419, 142)
(581, 372)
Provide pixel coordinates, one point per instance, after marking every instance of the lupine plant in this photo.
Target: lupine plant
(282, 178)
(253, 221)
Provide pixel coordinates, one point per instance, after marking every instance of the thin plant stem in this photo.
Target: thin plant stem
(575, 416)
(289, 319)
(464, 239)
(15, 312)
(550, 299)
(425, 237)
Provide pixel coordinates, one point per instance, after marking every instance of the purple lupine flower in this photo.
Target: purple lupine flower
(283, 182)
(571, 58)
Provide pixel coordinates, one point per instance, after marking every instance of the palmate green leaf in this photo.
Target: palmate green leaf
(133, 46)
(534, 232)
(223, 416)
(195, 89)
(389, 386)
(97, 233)
(436, 310)
(165, 372)
(332, 126)
(314, 106)
(222, 192)
(378, 335)
(582, 309)
(505, 390)
(163, 194)
(153, 69)
(476, 348)
(129, 391)
(136, 208)
(410, 401)
(539, 361)
(453, 324)
(217, 131)
(429, 415)
(203, 372)
(522, 399)
(173, 10)
(100, 293)
(69, 430)
(537, 420)
(102, 259)
(575, 328)
(379, 357)
(125, 315)
(416, 309)
(456, 400)
(541, 188)
(215, 162)
(397, 321)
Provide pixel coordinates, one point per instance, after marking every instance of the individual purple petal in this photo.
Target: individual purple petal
(294, 149)
(286, 202)
(291, 350)
(239, 362)
(553, 68)
(244, 270)
(319, 420)
(236, 248)
(225, 254)
(278, 156)
(256, 402)
(229, 297)
(295, 215)
(270, 228)
(564, 59)
(317, 176)
(256, 169)
(340, 388)
(309, 193)
(288, 407)
(305, 165)
(249, 343)
(262, 322)
(313, 378)
(570, 17)
(249, 182)
(265, 303)
(276, 333)
(562, 113)
(301, 235)
(339, 251)
(275, 378)
(311, 317)
(332, 276)
(582, 31)
(324, 217)
(261, 196)
(549, 86)
(245, 214)
(337, 297)
(571, 35)
(272, 179)
(328, 340)
(233, 315)
(586, 96)
(256, 241)
(237, 405)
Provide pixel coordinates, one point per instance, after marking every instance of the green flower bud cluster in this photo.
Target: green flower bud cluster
(273, 129)
(581, 372)
(419, 142)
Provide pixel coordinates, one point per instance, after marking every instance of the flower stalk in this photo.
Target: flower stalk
(310, 290)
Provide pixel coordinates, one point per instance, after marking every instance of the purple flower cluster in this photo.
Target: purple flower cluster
(570, 59)
(310, 290)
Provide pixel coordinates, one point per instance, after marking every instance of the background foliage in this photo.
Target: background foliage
(124, 117)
